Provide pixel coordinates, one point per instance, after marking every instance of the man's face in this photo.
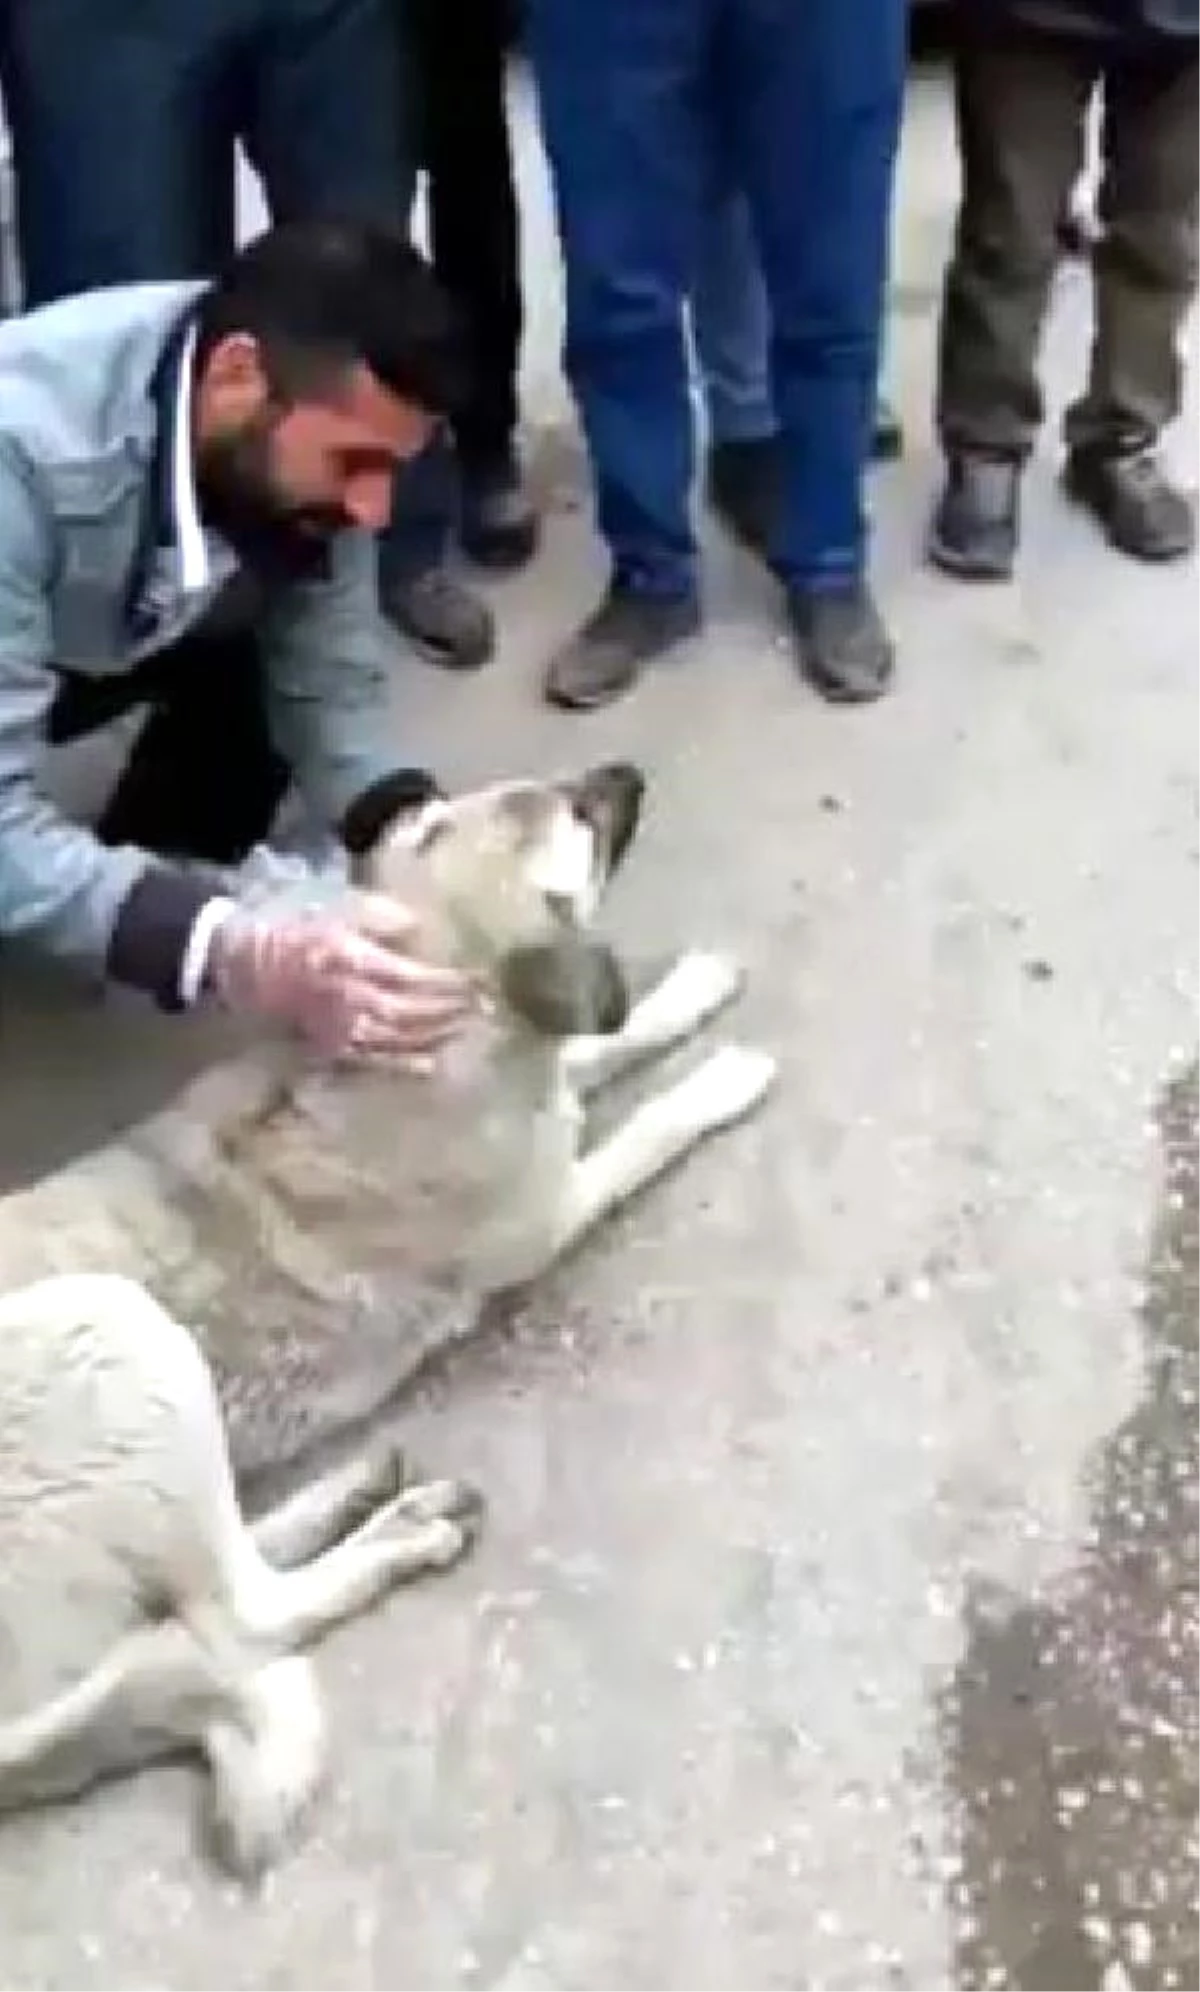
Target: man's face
(278, 480)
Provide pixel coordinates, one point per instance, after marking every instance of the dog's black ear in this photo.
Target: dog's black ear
(372, 813)
(566, 988)
(609, 800)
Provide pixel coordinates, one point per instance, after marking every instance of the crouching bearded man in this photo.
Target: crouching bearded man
(191, 478)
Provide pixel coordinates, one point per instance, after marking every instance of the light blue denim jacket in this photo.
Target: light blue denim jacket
(83, 590)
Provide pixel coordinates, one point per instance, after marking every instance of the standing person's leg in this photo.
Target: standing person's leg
(731, 328)
(1145, 275)
(122, 126)
(447, 623)
(1021, 96)
(461, 62)
(816, 95)
(1079, 224)
(327, 111)
(731, 325)
(623, 128)
(326, 128)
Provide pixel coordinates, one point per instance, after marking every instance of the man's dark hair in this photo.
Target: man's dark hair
(321, 297)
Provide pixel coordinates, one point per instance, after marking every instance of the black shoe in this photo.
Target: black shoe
(1141, 512)
(745, 479)
(887, 437)
(974, 530)
(606, 657)
(443, 620)
(744, 489)
(498, 527)
(841, 645)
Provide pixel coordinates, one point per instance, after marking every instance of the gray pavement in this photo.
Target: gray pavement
(835, 1625)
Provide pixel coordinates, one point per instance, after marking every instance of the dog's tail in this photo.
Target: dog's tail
(160, 1691)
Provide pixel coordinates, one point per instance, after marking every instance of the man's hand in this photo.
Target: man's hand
(342, 982)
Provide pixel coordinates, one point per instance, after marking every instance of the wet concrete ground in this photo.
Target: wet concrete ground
(835, 1624)
(1069, 1726)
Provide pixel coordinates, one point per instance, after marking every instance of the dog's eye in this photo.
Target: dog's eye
(584, 813)
(433, 827)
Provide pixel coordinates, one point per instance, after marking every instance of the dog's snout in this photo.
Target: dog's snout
(611, 996)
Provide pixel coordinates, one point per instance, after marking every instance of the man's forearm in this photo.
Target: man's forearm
(162, 936)
(107, 912)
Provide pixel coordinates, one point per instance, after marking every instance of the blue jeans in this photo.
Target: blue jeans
(639, 99)
(124, 122)
(731, 326)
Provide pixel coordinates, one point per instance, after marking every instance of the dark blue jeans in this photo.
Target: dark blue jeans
(124, 121)
(641, 101)
(731, 325)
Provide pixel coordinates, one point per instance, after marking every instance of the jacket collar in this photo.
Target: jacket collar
(173, 560)
(170, 396)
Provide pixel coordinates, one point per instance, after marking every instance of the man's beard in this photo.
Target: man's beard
(239, 499)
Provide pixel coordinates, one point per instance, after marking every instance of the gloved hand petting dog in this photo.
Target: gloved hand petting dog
(348, 980)
(346, 988)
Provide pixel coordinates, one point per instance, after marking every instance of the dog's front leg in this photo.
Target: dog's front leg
(695, 989)
(659, 1132)
(324, 1511)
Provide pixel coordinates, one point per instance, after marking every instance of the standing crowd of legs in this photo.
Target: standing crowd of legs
(720, 165)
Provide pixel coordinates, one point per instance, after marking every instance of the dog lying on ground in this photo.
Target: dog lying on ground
(319, 1230)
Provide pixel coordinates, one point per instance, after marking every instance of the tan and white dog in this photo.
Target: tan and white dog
(319, 1231)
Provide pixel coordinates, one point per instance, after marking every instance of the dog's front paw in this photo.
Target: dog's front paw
(427, 1527)
(384, 1473)
(441, 1500)
(699, 986)
(451, 1511)
(732, 1083)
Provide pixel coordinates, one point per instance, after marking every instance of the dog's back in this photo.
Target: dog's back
(316, 1253)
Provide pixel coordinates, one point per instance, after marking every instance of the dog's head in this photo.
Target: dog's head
(512, 877)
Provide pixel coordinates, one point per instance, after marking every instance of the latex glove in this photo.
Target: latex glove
(341, 981)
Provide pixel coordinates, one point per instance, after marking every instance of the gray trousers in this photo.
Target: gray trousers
(1022, 97)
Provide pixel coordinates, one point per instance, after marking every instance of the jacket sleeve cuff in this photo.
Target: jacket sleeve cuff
(193, 973)
(373, 812)
(151, 935)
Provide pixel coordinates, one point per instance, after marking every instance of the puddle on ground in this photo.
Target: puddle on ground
(1070, 1727)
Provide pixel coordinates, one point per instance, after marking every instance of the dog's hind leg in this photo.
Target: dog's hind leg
(660, 1132)
(155, 1692)
(267, 1757)
(695, 989)
(267, 1765)
(160, 1692)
